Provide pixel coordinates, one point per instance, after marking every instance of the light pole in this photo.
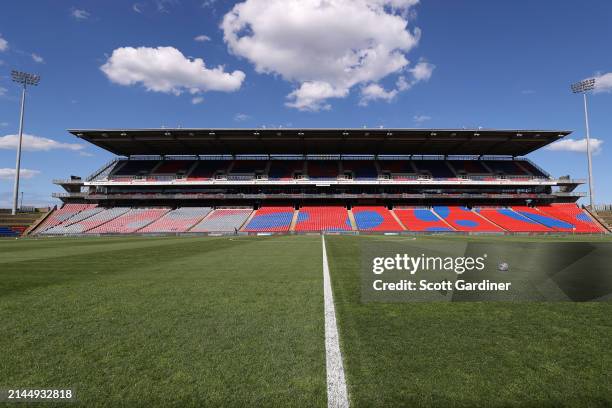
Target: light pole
(24, 79)
(584, 87)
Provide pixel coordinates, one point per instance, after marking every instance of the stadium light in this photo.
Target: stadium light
(24, 79)
(584, 87)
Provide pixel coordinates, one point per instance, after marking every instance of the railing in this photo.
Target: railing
(603, 207)
(219, 195)
(65, 181)
(547, 174)
(95, 174)
(417, 179)
(69, 195)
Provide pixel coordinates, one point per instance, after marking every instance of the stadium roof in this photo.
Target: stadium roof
(181, 141)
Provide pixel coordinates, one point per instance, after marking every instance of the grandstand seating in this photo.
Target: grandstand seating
(134, 167)
(462, 219)
(531, 168)
(375, 218)
(9, 232)
(396, 166)
(16, 225)
(506, 167)
(248, 166)
(323, 219)
(322, 169)
(421, 219)
(544, 219)
(178, 220)
(572, 214)
(64, 227)
(223, 220)
(270, 219)
(96, 220)
(361, 169)
(206, 169)
(173, 167)
(469, 167)
(437, 168)
(284, 169)
(62, 214)
(131, 221)
(512, 221)
(90, 219)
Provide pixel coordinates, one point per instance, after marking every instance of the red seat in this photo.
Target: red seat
(323, 219)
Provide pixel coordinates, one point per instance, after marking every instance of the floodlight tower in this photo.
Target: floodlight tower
(584, 87)
(24, 79)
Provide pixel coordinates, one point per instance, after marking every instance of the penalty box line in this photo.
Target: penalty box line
(337, 396)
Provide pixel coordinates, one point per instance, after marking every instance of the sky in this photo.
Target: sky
(300, 63)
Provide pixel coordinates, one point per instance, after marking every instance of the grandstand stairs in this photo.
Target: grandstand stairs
(534, 219)
(36, 223)
(103, 223)
(200, 220)
(248, 220)
(351, 217)
(152, 221)
(443, 220)
(400, 223)
(294, 220)
(488, 220)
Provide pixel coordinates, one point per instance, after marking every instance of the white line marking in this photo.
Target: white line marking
(337, 396)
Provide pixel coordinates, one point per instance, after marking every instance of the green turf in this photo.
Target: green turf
(165, 321)
(136, 321)
(468, 354)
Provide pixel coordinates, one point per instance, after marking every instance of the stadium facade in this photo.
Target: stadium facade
(313, 180)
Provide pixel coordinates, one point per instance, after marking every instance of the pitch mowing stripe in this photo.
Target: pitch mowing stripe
(337, 396)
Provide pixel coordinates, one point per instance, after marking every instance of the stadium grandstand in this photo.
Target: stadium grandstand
(217, 181)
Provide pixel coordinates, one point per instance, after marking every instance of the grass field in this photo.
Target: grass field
(165, 321)
(239, 322)
(464, 354)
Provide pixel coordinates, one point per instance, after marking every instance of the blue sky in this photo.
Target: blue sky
(290, 63)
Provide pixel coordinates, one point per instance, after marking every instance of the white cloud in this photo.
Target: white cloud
(421, 118)
(422, 71)
(36, 143)
(324, 46)
(4, 124)
(576, 145)
(3, 44)
(527, 91)
(402, 84)
(166, 69)
(79, 14)
(241, 117)
(3, 91)
(374, 92)
(197, 100)
(603, 82)
(137, 7)
(201, 38)
(311, 96)
(37, 58)
(9, 174)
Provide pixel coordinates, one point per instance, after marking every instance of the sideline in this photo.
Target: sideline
(336, 384)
